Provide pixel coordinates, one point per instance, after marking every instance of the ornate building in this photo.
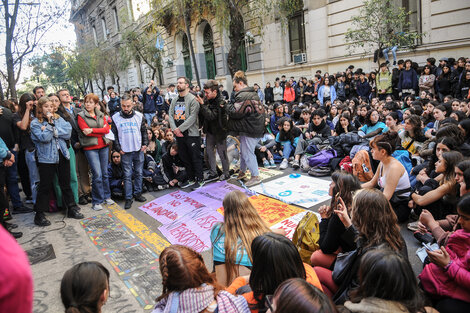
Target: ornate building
(314, 38)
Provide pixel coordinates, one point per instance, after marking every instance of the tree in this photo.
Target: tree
(80, 70)
(24, 25)
(99, 69)
(50, 70)
(380, 24)
(117, 60)
(142, 47)
(230, 16)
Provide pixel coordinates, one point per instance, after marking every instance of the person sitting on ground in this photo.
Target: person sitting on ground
(316, 133)
(287, 137)
(391, 176)
(344, 125)
(231, 240)
(447, 278)
(439, 197)
(154, 148)
(116, 176)
(264, 148)
(85, 288)
(343, 185)
(275, 259)
(297, 295)
(153, 178)
(373, 223)
(412, 139)
(278, 114)
(189, 287)
(373, 125)
(386, 284)
(173, 167)
(440, 230)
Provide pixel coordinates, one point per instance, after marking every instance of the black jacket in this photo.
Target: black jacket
(246, 114)
(268, 95)
(168, 162)
(213, 118)
(72, 119)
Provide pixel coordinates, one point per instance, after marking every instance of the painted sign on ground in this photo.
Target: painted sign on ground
(213, 194)
(304, 191)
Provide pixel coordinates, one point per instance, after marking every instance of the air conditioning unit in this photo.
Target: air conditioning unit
(300, 58)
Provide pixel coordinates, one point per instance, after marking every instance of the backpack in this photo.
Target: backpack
(362, 167)
(306, 236)
(403, 156)
(322, 158)
(320, 171)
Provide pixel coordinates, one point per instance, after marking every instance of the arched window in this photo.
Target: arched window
(187, 58)
(208, 45)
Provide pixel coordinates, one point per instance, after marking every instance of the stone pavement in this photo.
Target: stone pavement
(128, 243)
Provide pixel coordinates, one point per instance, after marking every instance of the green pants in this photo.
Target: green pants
(73, 181)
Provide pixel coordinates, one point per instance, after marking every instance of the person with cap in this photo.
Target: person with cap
(278, 114)
(442, 62)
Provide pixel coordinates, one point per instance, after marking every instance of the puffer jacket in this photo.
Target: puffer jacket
(455, 282)
(246, 114)
(344, 142)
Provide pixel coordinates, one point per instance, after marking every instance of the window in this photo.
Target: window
(95, 37)
(297, 34)
(116, 19)
(105, 30)
(208, 45)
(187, 58)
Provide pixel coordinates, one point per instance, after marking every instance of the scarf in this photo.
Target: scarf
(195, 300)
(318, 128)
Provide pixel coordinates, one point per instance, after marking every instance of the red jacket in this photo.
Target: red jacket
(455, 282)
(289, 94)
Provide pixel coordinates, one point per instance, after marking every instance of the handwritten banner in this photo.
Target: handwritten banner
(272, 211)
(169, 207)
(304, 191)
(265, 173)
(212, 195)
(289, 225)
(193, 229)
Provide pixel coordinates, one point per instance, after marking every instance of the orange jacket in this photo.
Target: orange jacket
(249, 297)
(289, 94)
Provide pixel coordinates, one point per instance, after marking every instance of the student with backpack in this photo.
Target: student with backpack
(288, 137)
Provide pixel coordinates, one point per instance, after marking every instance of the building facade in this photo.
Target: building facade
(313, 39)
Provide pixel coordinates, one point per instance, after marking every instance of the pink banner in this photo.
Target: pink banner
(169, 207)
(193, 229)
(212, 195)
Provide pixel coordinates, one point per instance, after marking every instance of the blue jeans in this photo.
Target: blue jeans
(98, 160)
(149, 117)
(132, 164)
(33, 172)
(12, 183)
(394, 52)
(248, 156)
(287, 148)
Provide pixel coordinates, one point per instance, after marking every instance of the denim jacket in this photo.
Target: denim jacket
(51, 139)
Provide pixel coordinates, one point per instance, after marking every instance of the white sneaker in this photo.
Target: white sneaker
(97, 207)
(284, 164)
(109, 201)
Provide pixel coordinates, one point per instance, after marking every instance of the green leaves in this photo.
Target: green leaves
(380, 24)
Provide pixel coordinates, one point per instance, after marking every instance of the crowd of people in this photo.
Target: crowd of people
(398, 142)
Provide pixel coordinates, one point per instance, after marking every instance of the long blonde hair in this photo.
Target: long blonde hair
(241, 222)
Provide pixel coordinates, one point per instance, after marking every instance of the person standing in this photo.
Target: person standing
(214, 117)
(131, 140)
(184, 121)
(170, 95)
(23, 118)
(94, 127)
(79, 179)
(246, 119)
(50, 133)
(9, 134)
(149, 101)
(384, 82)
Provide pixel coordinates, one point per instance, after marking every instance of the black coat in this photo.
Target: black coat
(213, 118)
